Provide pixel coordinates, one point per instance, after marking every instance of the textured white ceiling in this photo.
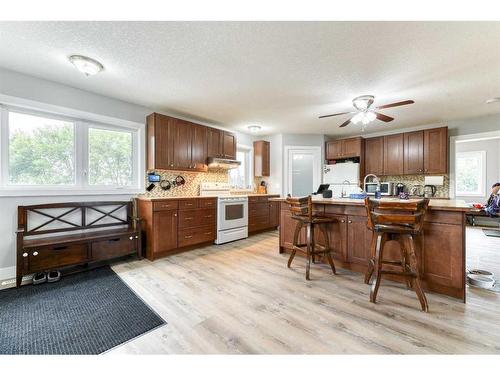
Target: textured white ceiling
(281, 75)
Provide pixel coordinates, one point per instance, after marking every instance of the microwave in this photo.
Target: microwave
(385, 188)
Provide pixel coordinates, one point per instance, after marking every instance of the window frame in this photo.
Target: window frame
(248, 150)
(81, 185)
(482, 179)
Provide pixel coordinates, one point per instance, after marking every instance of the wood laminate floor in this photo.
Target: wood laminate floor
(240, 298)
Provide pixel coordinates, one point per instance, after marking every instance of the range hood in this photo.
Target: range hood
(214, 163)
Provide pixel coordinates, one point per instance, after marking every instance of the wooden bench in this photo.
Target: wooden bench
(59, 235)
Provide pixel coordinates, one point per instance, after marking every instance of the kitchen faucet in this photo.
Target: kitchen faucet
(375, 178)
(343, 194)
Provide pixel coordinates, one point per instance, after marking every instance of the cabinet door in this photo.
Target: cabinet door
(444, 262)
(261, 158)
(358, 240)
(393, 154)
(214, 143)
(414, 152)
(274, 211)
(266, 159)
(333, 150)
(165, 230)
(159, 141)
(229, 145)
(182, 144)
(351, 147)
(337, 233)
(436, 150)
(199, 147)
(374, 155)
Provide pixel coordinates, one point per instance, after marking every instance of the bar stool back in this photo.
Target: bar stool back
(401, 221)
(302, 211)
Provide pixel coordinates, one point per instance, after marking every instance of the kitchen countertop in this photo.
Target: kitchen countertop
(435, 204)
(192, 197)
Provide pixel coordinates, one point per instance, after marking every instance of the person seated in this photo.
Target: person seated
(493, 205)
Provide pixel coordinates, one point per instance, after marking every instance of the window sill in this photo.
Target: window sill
(66, 192)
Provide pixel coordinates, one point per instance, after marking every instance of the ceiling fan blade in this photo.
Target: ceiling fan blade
(395, 104)
(384, 118)
(346, 123)
(335, 114)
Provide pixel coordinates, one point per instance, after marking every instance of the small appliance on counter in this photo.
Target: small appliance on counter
(429, 191)
(398, 189)
(262, 189)
(385, 188)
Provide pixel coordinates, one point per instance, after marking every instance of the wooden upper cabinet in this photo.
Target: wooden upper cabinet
(199, 147)
(414, 152)
(229, 145)
(344, 148)
(436, 150)
(159, 130)
(351, 147)
(393, 154)
(374, 155)
(261, 157)
(333, 149)
(214, 143)
(182, 142)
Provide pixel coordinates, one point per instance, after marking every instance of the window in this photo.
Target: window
(470, 173)
(42, 151)
(240, 177)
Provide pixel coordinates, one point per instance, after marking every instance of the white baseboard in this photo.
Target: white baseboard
(7, 273)
(8, 278)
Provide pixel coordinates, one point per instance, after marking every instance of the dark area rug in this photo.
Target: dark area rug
(491, 232)
(85, 313)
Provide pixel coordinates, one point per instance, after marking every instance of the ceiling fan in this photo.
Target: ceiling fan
(364, 113)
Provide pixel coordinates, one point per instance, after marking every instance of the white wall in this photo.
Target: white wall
(30, 91)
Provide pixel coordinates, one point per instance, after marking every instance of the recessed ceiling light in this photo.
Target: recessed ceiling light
(86, 65)
(493, 100)
(254, 128)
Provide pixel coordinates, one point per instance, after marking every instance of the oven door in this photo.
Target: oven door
(232, 214)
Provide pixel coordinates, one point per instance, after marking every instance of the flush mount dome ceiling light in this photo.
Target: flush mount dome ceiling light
(254, 128)
(86, 65)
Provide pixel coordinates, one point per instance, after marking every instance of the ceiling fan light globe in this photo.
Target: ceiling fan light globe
(370, 116)
(357, 118)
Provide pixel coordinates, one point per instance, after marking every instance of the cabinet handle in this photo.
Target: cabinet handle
(342, 221)
(171, 164)
(175, 214)
(136, 236)
(350, 221)
(188, 218)
(25, 255)
(207, 233)
(35, 253)
(188, 237)
(131, 238)
(208, 216)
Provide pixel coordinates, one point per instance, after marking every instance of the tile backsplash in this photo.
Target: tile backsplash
(192, 186)
(413, 180)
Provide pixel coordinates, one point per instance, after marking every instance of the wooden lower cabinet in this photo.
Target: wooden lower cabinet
(164, 233)
(441, 252)
(358, 240)
(262, 214)
(173, 224)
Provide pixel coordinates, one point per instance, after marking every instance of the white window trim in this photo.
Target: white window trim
(80, 187)
(482, 192)
(249, 167)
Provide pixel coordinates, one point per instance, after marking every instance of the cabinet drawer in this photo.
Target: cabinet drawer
(114, 247)
(57, 256)
(259, 223)
(195, 218)
(258, 209)
(188, 204)
(165, 205)
(207, 203)
(191, 236)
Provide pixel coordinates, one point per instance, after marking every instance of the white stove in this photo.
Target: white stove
(232, 211)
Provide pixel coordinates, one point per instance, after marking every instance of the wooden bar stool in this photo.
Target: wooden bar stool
(400, 221)
(302, 211)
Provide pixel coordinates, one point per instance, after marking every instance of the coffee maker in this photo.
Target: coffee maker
(398, 189)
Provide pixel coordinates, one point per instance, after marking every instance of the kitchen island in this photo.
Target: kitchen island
(442, 247)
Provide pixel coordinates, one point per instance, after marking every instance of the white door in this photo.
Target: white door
(303, 170)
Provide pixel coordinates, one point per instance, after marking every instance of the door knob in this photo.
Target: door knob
(131, 238)
(25, 255)
(35, 253)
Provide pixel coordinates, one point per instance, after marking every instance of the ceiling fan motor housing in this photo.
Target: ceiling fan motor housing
(363, 102)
